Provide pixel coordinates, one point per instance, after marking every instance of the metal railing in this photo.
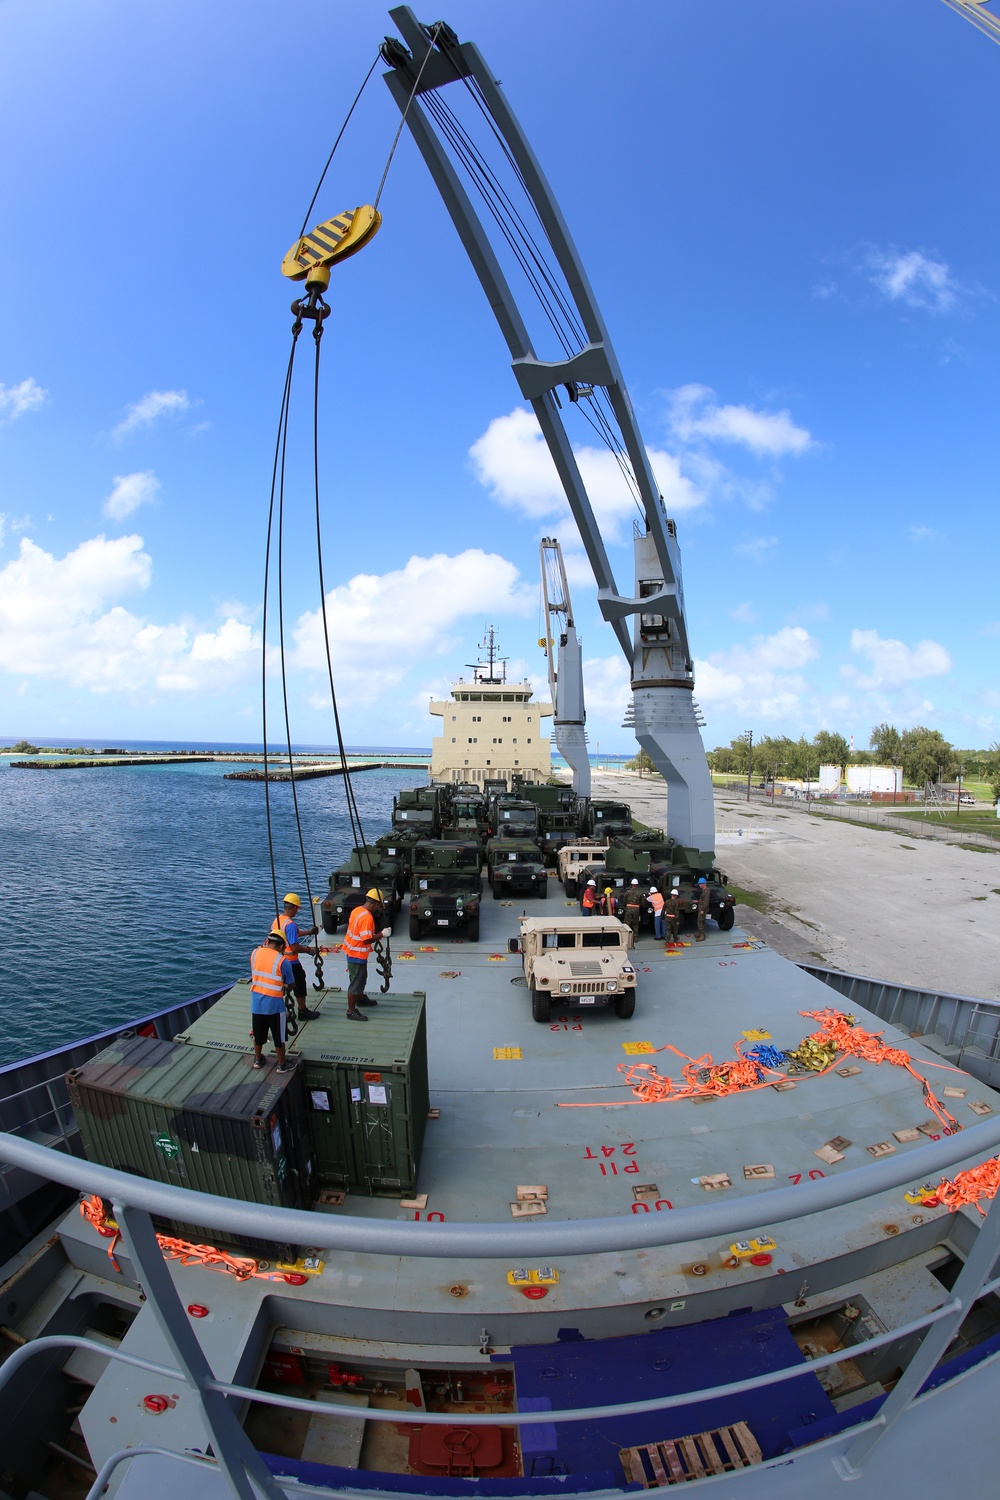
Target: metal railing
(134, 1200)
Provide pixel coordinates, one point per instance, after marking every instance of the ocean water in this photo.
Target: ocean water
(126, 890)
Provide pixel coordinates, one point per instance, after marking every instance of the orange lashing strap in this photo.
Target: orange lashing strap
(243, 1267)
(971, 1186)
(850, 1040)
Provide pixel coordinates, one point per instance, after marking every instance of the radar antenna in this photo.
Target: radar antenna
(493, 659)
(562, 650)
(429, 66)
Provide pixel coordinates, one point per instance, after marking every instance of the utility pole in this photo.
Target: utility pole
(748, 736)
(958, 804)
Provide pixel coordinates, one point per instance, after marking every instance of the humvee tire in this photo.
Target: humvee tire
(726, 918)
(541, 1004)
(415, 933)
(625, 1005)
(330, 923)
(472, 929)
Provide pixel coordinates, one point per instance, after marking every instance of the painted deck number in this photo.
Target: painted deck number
(167, 1147)
(506, 1054)
(608, 1167)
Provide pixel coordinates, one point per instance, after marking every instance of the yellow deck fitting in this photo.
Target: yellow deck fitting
(762, 1245)
(506, 1054)
(632, 1048)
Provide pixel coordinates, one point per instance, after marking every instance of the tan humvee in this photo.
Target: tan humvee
(577, 961)
(576, 857)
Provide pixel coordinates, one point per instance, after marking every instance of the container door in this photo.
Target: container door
(330, 1127)
(381, 1130)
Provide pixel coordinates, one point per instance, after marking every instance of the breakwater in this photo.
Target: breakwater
(309, 773)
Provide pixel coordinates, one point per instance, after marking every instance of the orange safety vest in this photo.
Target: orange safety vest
(589, 898)
(265, 971)
(656, 901)
(360, 935)
(291, 949)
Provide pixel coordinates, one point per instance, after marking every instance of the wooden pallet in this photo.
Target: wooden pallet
(717, 1452)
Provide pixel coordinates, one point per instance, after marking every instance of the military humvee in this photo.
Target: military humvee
(366, 868)
(513, 819)
(583, 961)
(445, 887)
(573, 859)
(683, 874)
(602, 819)
(515, 868)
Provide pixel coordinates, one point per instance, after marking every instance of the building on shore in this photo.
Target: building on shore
(491, 727)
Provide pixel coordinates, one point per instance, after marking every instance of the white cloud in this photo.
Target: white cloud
(924, 534)
(761, 678)
(607, 687)
(512, 461)
(61, 620)
(892, 663)
(151, 406)
(130, 491)
(693, 414)
(744, 613)
(913, 278)
(15, 400)
(384, 624)
(757, 547)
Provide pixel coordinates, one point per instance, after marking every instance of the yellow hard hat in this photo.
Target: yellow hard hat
(374, 895)
(277, 937)
(608, 891)
(291, 899)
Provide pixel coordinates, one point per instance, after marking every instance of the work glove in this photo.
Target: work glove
(386, 932)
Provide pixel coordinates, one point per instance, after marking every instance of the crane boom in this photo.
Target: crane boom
(565, 662)
(656, 647)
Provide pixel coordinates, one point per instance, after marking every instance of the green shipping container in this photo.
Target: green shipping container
(199, 1119)
(366, 1090)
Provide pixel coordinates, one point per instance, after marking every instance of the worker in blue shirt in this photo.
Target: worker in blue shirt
(270, 975)
(287, 924)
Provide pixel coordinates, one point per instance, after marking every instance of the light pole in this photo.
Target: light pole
(748, 738)
(958, 804)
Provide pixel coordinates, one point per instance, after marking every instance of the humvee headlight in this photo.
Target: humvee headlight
(565, 988)
(612, 984)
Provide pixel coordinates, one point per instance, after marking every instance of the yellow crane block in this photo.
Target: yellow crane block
(333, 240)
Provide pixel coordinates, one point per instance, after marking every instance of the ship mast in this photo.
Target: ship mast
(657, 649)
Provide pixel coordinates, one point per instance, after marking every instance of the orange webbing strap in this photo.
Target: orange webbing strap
(839, 1030)
(971, 1186)
(240, 1266)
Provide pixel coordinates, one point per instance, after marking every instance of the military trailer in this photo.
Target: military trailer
(574, 859)
(367, 868)
(445, 888)
(604, 819)
(514, 867)
(579, 961)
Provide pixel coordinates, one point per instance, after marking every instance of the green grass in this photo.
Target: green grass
(978, 848)
(973, 821)
(749, 898)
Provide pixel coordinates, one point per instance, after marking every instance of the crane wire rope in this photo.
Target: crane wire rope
(561, 316)
(318, 958)
(406, 111)
(333, 149)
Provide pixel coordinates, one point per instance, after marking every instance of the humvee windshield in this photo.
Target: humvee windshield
(587, 939)
(447, 884)
(616, 812)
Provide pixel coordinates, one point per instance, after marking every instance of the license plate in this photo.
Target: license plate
(586, 999)
(442, 921)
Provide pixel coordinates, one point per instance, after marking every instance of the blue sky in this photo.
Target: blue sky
(791, 217)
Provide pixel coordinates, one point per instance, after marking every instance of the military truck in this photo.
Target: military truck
(411, 809)
(469, 814)
(560, 817)
(578, 961)
(398, 845)
(514, 819)
(445, 887)
(365, 869)
(574, 859)
(514, 867)
(621, 867)
(493, 786)
(604, 819)
(683, 874)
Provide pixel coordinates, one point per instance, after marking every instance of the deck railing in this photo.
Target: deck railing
(135, 1200)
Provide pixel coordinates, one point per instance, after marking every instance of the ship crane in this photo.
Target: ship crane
(565, 661)
(427, 67)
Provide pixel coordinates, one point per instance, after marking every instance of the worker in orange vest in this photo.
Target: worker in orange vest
(588, 901)
(270, 975)
(288, 926)
(659, 921)
(358, 942)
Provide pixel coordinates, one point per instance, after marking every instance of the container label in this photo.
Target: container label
(167, 1147)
